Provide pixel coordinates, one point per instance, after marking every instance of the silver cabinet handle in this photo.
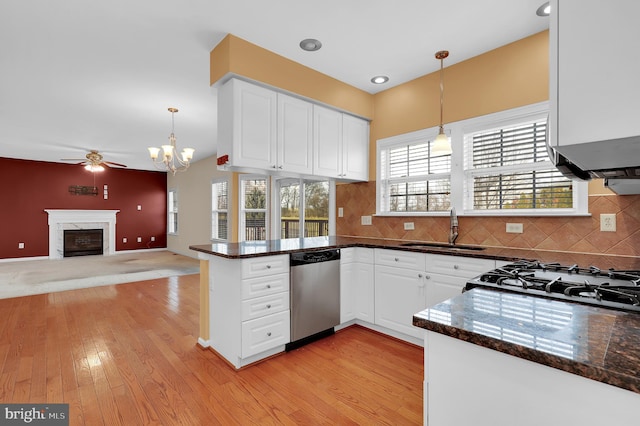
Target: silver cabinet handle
(280, 167)
(419, 275)
(268, 285)
(268, 306)
(428, 277)
(396, 259)
(456, 267)
(269, 334)
(268, 266)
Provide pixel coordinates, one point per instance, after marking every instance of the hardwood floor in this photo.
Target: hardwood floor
(127, 355)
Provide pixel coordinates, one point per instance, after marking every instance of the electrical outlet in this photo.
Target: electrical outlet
(153, 238)
(139, 239)
(139, 207)
(514, 228)
(124, 240)
(20, 245)
(340, 212)
(608, 222)
(408, 226)
(365, 220)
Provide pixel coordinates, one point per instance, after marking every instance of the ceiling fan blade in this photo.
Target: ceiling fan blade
(113, 164)
(73, 159)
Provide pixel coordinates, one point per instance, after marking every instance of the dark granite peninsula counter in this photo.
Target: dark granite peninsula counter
(515, 359)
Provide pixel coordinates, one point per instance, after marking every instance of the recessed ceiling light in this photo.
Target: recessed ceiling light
(310, 44)
(544, 10)
(380, 79)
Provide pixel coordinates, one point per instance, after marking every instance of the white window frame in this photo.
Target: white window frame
(460, 177)
(419, 136)
(275, 196)
(242, 210)
(171, 194)
(215, 210)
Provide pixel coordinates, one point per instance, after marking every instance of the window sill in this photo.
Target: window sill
(471, 213)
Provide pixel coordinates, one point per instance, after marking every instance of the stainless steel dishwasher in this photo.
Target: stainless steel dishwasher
(315, 295)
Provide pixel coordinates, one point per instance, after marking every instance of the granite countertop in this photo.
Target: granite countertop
(273, 247)
(597, 343)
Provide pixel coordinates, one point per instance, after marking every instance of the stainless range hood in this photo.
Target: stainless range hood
(617, 161)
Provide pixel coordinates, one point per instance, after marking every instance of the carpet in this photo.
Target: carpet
(24, 278)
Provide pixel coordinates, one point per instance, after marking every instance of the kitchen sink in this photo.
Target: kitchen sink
(442, 246)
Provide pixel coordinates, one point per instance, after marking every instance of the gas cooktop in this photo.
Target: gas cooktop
(611, 288)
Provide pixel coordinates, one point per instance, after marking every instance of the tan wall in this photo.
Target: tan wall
(194, 205)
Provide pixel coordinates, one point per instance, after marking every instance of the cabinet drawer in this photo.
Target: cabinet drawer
(356, 254)
(265, 305)
(265, 265)
(265, 333)
(400, 259)
(459, 266)
(263, 286)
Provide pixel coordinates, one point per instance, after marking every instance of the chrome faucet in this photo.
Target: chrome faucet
(453, 231)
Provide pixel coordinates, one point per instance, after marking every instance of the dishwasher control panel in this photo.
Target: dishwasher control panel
(304, 258)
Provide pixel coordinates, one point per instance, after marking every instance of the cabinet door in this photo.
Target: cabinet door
(247, 124)
(327, 142)
(348, 291)
(355, 148)
(399, 294)
(295, 135)
(442, 287)
(365, 298)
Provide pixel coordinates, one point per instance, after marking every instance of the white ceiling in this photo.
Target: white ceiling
(78, 75)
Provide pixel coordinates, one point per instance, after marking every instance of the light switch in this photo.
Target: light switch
(139, 207)
(340, 212)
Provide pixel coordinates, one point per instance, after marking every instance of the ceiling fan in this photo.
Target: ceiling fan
(93, 162)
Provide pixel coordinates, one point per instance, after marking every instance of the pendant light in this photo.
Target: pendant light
(171, 161)
(441, 145)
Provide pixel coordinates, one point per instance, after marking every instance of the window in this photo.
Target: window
(499, 166)
(172, 211)
(253, 208)
(410, 178)
(307, 209)
(220, 210)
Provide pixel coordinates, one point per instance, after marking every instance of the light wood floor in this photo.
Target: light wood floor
(127, 355)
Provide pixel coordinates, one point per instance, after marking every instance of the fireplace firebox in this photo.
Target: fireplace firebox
(83, 242)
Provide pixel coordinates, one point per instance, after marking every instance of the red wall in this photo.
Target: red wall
(29, 187)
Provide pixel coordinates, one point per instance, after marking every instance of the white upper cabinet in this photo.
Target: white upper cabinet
(594, 74)
(341, 145)
(327, 148)
(355, 148)
(247, 120)
(295, 135)
(263, 129)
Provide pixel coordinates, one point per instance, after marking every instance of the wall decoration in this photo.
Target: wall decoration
(83, 190)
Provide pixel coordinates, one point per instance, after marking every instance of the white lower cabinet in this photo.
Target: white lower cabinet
(249, 307)
(400, 293)
(448, 275)
(408, 282)
(356, 284)
(400, 290)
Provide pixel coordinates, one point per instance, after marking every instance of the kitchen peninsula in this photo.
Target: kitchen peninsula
(244, 286)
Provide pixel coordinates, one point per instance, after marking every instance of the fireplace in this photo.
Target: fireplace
(63, 220)
(82, 242)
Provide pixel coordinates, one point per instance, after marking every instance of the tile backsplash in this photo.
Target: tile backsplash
(576, 234)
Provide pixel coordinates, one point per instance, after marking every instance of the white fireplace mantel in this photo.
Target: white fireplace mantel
(60, 220)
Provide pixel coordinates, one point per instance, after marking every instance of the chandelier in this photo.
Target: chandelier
(171, 161)
(442, 144)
